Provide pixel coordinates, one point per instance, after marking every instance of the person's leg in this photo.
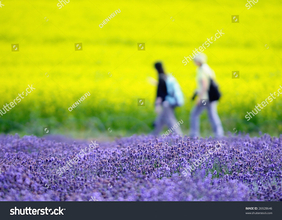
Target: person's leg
(195, 121)
(214, 119)
(171, 121)
(159, 122)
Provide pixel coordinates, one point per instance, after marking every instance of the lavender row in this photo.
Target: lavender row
(142, 168)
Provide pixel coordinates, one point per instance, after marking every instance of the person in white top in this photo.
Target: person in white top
(203, 76)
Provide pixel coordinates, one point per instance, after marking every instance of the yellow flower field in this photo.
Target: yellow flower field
(115, 72)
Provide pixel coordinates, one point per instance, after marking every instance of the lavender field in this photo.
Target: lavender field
(141, 168)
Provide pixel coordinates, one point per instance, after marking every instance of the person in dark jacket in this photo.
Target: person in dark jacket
(165, 112)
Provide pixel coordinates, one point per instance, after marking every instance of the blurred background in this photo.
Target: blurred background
(115, 71)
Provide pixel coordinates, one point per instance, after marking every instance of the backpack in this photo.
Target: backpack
(175, 96)
(213, 92)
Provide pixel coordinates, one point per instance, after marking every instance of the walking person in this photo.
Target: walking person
(208, 96)
(169, 96)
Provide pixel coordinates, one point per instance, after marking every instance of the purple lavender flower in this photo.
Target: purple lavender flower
(142, 168)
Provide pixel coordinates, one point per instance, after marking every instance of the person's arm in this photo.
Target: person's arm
(161, 94)
(152, 81)
(159, 101)
(194, 96)
(161, 91)
(204, 86)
